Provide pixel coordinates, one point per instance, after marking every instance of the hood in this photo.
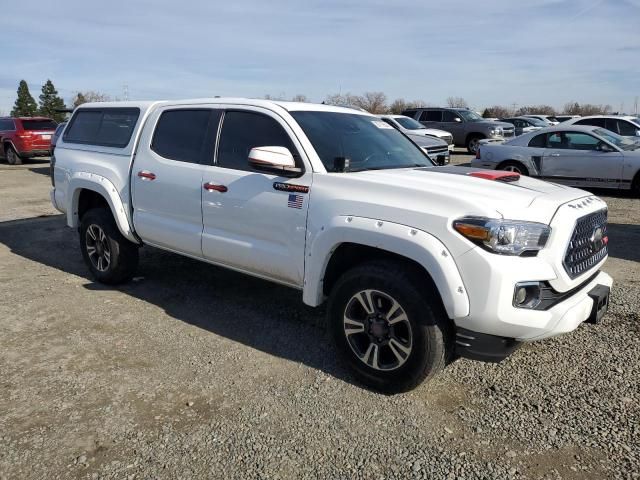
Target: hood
(427, 132)
(470, 195)
(427, 141)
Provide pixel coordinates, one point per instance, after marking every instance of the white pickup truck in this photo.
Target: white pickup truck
(419, 264)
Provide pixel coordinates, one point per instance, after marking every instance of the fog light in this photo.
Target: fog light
(521, 295)
(526, 295)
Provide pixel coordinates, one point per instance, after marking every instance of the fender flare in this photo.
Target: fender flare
(414, 244)
(90, 181)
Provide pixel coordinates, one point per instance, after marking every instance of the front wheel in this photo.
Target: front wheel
(111, 258)
(473, 144)
(392, 334)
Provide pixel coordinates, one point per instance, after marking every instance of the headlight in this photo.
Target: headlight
(496, 132)
(506, 237)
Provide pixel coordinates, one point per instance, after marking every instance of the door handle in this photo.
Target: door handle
(212, 187)
(146, 175)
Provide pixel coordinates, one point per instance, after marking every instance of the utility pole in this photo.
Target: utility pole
(125, 92)
(635, 106)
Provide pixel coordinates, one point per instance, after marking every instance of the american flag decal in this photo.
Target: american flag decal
(295, 201)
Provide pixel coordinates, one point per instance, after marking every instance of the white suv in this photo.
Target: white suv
(417, 263)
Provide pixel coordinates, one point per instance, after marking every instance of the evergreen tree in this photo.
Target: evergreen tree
(25, 105)
(50, 102)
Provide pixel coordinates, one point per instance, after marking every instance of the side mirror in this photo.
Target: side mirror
(276, 160)
(457, 119)
(603, 147)
(637, 133)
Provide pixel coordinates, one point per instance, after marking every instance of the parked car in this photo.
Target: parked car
(436, 149)
(417, 263)
(56, 135)
(25, 137)
(564, 118)
(467, 127)
(550, 119)
(576, 155)
(524, 124)
(626, 126)
(411, 127)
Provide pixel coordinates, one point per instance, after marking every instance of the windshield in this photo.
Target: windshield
(410, 123)
(469, 116)
(617, 140)
(367, 142)
(537, 122)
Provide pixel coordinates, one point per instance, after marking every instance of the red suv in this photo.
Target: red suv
(25, 137)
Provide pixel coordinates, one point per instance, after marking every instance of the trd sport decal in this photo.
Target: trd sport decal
(290, 187)
(295, 201)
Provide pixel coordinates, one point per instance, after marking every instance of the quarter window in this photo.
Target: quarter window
(109, 127)
(181, 135)
(539, 141)
(242, 131)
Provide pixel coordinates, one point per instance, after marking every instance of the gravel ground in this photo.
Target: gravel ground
(191, 371)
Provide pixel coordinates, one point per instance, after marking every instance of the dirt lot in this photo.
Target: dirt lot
(191, 371)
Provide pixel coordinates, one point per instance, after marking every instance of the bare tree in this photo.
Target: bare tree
(399, 105)
(299, 98)
(372, 102)
(457, 102)
(536, 109)
(89, 96)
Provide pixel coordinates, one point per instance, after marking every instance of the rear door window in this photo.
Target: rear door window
(108, 127)
(431, 116)
(186, 135)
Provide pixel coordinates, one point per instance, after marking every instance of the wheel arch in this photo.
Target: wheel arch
(530, 167)
(88, 191)
(339, 248)
(471, 135)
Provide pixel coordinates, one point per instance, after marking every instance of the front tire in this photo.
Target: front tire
(473, 143)
(12, 156)
(111, 258)
(392, 334)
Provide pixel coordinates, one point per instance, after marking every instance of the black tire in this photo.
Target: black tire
(12, 156)
(472, 143)
(122, 254)
(513, 166)
(429, 337)
(635, 185)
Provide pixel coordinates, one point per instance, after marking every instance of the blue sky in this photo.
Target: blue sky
(489, 52)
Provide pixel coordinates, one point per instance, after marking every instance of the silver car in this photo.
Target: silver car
(583, 156)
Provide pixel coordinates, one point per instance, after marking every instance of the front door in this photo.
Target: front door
(575, 158)
(254, 221)
(167, 177)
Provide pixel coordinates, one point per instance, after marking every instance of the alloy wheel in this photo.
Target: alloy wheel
(98, 248)
(378, 330)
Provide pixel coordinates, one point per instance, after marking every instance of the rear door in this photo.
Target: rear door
(574, 158)
(255, 221)
(167, 176)
(431, 118)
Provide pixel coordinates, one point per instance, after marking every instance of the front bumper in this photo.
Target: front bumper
(490, 282)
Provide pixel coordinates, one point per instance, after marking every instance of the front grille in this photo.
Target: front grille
(437, 150)
(588, 245)
(508, 132)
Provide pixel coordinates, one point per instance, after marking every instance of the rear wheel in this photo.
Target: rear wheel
(635, 185)
(513, 166)
(392, 335)
(111, 258)
(12, 157)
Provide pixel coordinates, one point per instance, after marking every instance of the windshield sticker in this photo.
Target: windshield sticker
(381, 124)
